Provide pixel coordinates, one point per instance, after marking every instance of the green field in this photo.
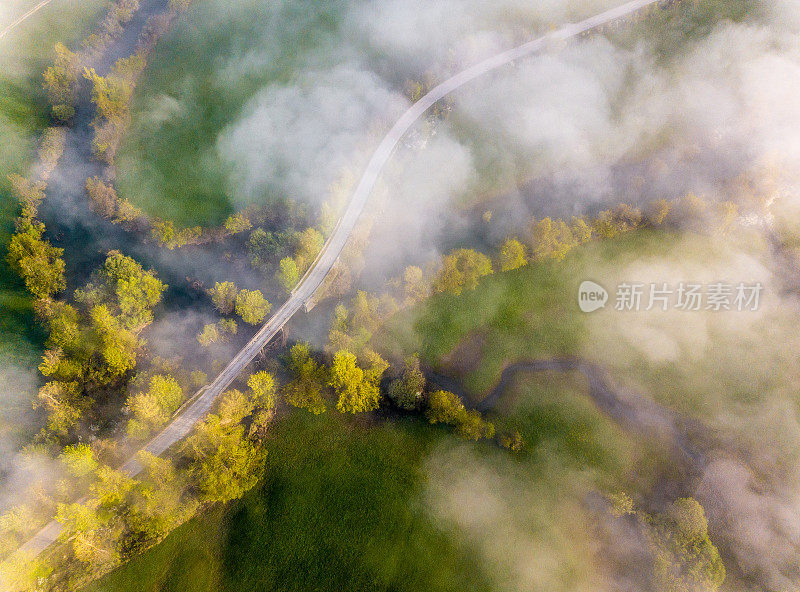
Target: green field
(202, 73)
(24, 53)
(528, 313)
(366, 505)
(335, 511)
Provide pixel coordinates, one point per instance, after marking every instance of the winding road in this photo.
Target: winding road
(182, 424)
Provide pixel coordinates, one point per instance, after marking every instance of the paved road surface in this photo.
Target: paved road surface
(311, 282)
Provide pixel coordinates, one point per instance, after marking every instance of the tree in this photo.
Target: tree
(581, 230)
(59, 83)
(512, 441)
(288, 274)
(63, 405)
(304, 390)
(551, 239)
(264, 247)
(656, 211)
(444, 407)
(218, 332)
(223, 295)
(117, 345)
(110, 94)
(79, 460)
(461, 270)
(134, 291)
(685, 558)
(163, 231)
(151, 409)
(29, 194)
(471, 426)
(262, 384)
(512, 255)
(356, 394)
(37, 261)
(237, 223)
(308, 244)
(226, 463)
(252, 306)
(102, 197)
(627, 217)
(407, 390)
(415, 288)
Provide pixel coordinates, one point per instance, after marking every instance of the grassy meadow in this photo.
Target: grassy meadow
(24, 54)
(365, 504)
(201, 75)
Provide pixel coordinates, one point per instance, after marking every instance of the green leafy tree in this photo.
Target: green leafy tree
(551, 239)
(237, 223)
(219, 332)
(60, 81)
(38, 262)
(308, 244)
(226, 464)
(461, 270)
(79, 460)
(287, 274)
(445, 407)
(110, 94)
(134, 291)
(685, 558)
(262, 385)
(152, 408)
(252, 306)
(407, 390)
(512, 255)
(415, 288)
(356, 391)
(223, 295)
(305, 388)
(117, 345)
(581, 230)
(264, 247)
(29, 194)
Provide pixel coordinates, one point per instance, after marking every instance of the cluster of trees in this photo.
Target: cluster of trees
(122, 516)
(250, 305)
(93, 344)
(307, 245)
(60, 83)
(461, 270)
(119, 13)
(554, 238)
(167, 235)
(61, 78)
(219, 332)
(445, 407)
(684, 557)
(110, 95)
(103, 200)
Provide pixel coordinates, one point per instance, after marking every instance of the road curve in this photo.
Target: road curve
(311, 282)
(24, 17)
